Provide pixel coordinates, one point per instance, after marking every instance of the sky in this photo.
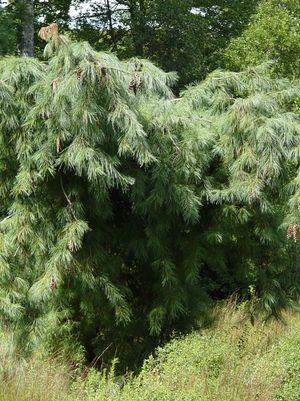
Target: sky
(84, 7)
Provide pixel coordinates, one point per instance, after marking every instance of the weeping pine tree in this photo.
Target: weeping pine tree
(125, 210)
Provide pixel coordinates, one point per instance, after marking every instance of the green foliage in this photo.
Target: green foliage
(232, 361)
(183, 36)
(125, 211)
(273, 34)
(189, 35)
(7, 32)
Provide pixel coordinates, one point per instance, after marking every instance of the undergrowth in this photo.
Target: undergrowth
(236, 360)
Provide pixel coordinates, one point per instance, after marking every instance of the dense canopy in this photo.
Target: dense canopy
(272, 34)
(126, 210)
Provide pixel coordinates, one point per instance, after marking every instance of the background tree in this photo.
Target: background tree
(273, 34)
(188, 36)
(26, 14)
(54, 11)
(184, 36)
(8, 28)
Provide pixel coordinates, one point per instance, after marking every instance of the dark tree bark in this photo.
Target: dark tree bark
(26, 9)
(110, 23)
(137, 10)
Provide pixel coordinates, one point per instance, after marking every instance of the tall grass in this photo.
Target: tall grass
(36, 381)
(233, 361)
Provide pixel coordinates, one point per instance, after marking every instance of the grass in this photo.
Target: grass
(232, 361)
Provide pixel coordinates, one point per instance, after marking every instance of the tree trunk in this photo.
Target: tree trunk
(110, 23)
(137, 16)
(26, 8)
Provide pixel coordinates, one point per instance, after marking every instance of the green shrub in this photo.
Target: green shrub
(232, 361)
